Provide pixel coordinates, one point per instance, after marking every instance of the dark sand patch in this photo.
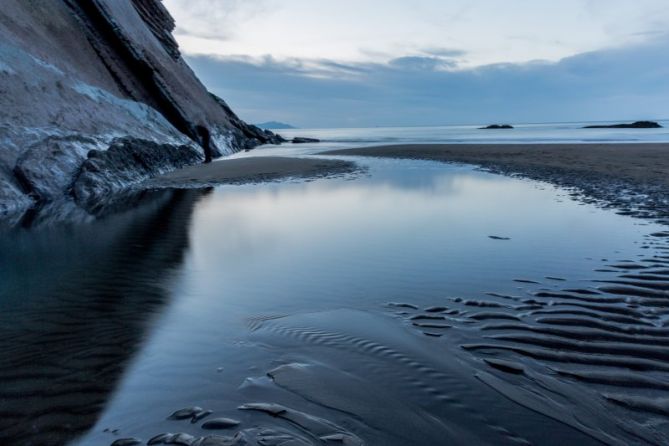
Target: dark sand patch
(633, 178)
(250, 170)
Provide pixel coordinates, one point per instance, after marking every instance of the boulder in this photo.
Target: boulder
(126, 162)
(303, 140)
(496, 127)
(633, 125)
(46, 170)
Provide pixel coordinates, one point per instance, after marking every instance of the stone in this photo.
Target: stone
(633, 125)
(303, 140)
(497, 127)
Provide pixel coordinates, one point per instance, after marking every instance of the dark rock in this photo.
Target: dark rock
(160, 439)
(438, 309)
(199, 416)
(220, 423)
(633, 125)
(303, 140)
(269, 408)
(127, 442)
(46, 170)
(496, 127)
(402, 305)
(182, 439)
(218, 440)
(126, 162)
(183, 414)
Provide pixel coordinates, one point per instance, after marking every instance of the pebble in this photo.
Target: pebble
(197, 417)
(188, 412)
(127, 442)
(220, 423)
(436, 309)
(181, 438)
(403, 305)
(160, 439)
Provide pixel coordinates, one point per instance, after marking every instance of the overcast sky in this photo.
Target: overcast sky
(382, 62)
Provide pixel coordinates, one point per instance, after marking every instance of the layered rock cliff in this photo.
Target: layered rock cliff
(78, 77)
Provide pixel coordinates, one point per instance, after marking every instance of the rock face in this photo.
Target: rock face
(76, 75)
(109, 171)
(633, 125)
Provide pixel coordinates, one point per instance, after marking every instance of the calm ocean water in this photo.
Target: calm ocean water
(523, 133)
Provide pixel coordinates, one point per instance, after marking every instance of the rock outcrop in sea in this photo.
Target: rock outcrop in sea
(95, 96)
(497, 127)
(631, 125)
(304, 140)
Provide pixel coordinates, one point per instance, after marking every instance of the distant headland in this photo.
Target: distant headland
(274, 125)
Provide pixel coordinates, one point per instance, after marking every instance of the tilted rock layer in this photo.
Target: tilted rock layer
(75, 76)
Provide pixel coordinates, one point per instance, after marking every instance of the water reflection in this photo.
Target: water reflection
(278, 293)
(297, 276)
(76, 301)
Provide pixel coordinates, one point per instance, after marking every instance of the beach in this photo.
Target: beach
(249, 170)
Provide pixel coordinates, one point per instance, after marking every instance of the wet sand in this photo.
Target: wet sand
(250, 170)
(633, 178)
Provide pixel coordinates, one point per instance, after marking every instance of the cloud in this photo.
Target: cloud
(445, 52)
(630, 82)
(214, 21)
(421, 63)
(472, 33)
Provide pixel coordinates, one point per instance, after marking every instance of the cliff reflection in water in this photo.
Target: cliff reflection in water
(76, 303)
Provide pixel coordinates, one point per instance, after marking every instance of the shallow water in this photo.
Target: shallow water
(366, 308)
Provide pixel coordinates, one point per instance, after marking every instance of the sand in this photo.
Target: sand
(637, 162)
(250, 170)
(631, 177)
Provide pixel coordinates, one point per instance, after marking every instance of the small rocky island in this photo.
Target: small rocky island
(632, 125)
(497, 127)
(303, 140)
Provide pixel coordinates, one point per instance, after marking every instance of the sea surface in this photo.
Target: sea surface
(412, 303)
(521, 133)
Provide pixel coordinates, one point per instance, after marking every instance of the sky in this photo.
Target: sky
(357, 63)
